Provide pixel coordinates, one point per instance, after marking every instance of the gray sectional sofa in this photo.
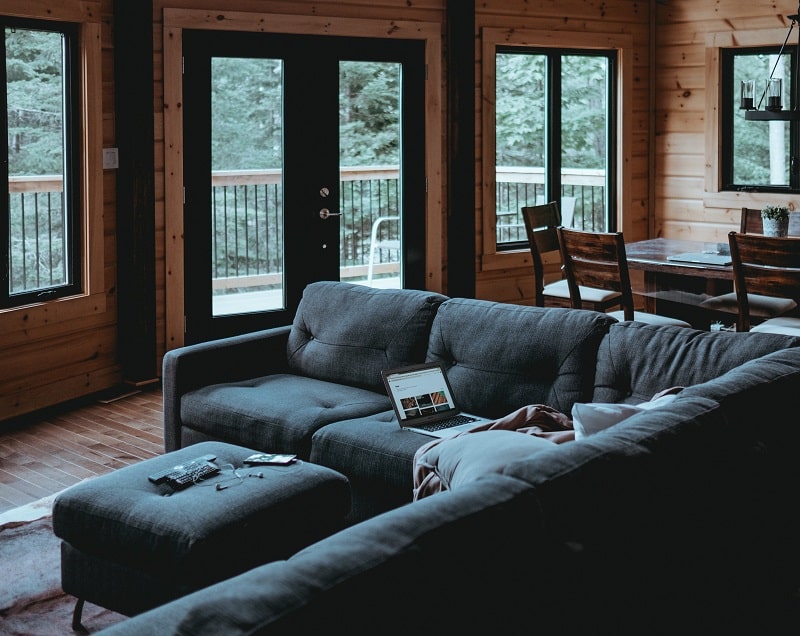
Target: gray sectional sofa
(677, 520)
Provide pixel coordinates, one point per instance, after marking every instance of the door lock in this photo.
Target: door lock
(324, 213)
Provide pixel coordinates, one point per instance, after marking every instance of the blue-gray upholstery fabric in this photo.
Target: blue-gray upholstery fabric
(348, 333)
(121, 523)
(500, 357)
(656, 509)
(231, 359)
(676, 520)
(436, 565)
(377, 456)
(636, 361)
(275, 413)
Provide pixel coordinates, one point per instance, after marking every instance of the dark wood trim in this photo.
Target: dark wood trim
(460, 72)
(136, 299)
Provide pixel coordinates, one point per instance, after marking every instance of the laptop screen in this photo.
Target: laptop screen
(419, 393)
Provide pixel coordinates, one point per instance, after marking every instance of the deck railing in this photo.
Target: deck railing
(247, 220)
(37, 240)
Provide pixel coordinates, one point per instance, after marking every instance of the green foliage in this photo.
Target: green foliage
(521, 106)
(34, 66)
(779, 212)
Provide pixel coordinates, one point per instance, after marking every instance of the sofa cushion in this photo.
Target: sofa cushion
(275, 413)
(635, 361)
(375, 454)
(348, 334)
(385, 576)
(500, 357)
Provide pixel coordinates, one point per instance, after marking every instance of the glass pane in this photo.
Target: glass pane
(369, 161)
(760, 148)
(584, 140)
(246, 185)
(520, 137)
(38, 234)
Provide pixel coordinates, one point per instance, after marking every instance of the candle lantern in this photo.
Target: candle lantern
(774, 100)
(771, 100)
(748, 94)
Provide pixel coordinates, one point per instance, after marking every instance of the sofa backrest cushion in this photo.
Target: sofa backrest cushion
(348, 333)
(500, 357)
(636, 360)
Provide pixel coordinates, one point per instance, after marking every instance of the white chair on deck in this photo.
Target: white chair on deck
(376, 245)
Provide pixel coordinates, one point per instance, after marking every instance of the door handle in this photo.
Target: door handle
(324, 213)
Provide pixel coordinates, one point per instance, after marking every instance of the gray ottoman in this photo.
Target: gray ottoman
(129, 545)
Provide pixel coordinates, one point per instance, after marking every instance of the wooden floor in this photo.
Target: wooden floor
(43, 454)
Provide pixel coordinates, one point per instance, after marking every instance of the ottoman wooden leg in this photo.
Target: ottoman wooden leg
(76, 617)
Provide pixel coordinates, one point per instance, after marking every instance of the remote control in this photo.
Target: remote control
(162, 475)
(193, 474)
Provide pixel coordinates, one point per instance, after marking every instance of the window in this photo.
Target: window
(42, 217)
(554, 137)
(757, 155)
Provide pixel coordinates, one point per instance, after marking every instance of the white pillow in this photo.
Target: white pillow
(591, 417)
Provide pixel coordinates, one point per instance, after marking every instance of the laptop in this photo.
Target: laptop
(702, 258)
(423, 401)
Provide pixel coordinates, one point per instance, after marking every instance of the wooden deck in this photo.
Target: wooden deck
(46, 452)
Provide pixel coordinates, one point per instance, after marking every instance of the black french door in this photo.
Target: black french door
(277, 193)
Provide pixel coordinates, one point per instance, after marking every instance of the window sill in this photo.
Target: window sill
(38, 315)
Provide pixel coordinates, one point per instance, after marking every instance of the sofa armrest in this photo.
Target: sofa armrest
(225, 360)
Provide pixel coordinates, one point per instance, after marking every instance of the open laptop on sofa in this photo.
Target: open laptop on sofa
(423, 401)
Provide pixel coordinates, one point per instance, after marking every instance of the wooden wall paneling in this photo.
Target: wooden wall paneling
(58, 350)
(539, 25)
(689, 202)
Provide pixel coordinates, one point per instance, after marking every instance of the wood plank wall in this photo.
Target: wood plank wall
(612, 18)
(52, 353)
(64, 356)
(687, 203)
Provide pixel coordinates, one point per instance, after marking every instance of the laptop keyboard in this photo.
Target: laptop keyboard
(449, 422)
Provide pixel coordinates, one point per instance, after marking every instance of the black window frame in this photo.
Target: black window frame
(72, 168)
(729, 90)
(553, 113)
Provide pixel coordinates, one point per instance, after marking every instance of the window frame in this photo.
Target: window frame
(554, 60)
(90, 299)
(727, 112)
(493, 39)
(71, 169)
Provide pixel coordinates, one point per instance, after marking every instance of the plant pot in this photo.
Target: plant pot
(776, 227)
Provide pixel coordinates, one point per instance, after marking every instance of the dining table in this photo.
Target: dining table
(676, 288)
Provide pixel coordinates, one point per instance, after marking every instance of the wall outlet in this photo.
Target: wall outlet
(110, 158)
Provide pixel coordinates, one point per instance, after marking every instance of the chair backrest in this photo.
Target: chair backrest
(541, 222)
(765, 265)
(751, 222)
(596, 259)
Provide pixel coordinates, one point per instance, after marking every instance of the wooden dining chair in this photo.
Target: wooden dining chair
(768, 266)
(541, 223)
(598, 260)
(761, 306)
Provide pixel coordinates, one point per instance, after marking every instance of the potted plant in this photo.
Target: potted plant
(775, 219)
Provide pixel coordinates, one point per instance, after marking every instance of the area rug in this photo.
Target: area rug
(31, 600)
